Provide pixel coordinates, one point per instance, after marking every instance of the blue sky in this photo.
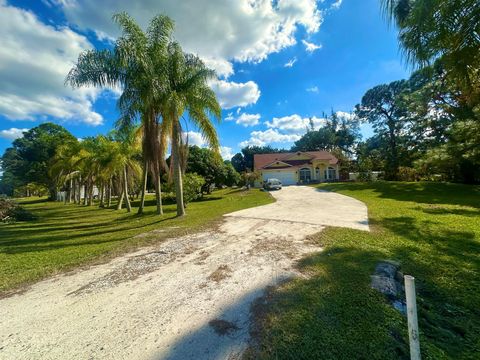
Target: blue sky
(280, 62)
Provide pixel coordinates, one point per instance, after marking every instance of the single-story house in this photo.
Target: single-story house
(302, 167)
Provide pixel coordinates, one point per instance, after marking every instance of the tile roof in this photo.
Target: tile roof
(262, 160)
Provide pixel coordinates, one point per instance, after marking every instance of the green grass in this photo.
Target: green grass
(433, 230)
(65, 236)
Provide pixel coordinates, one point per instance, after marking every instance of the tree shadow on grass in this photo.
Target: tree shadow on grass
(420, 192)
(332, 313)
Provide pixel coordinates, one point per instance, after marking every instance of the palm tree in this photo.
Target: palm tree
(63, 168)
(187, 91)
(135, 64)
(125, 160)
(441, 32)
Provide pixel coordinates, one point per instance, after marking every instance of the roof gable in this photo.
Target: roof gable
(299, 156)
(261, 161)
(277, 164)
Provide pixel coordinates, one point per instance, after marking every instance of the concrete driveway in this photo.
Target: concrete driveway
(186, 298)
(305, 204)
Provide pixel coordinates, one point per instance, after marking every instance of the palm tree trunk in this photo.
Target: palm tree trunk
(125, 189)
(85, 192)
(90, 193)
(70, 191)
(158, 189)
(177, 171)
(144, 187)
(102, 195)
(109, 201)
(120, 198)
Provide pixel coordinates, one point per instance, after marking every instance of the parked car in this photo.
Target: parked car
(272, 184)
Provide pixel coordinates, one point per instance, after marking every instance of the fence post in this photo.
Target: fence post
(413, 334)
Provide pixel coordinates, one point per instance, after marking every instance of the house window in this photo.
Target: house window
(305, 175)
(330, 173)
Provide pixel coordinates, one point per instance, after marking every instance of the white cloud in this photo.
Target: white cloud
(346, 115)
(230, 117)
(311, 47)
(261, 138)
(232, 94)
(193, 138)
(291, 62)
(313, 89)
(294, 124)
(12, 133)
(241, 30)
(34, 60)
(248, 119)
(337, 4)
(226, 152)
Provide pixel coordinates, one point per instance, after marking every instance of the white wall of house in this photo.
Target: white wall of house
(296, 175)
(286, 176)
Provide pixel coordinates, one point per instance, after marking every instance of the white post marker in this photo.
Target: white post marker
(413, 334)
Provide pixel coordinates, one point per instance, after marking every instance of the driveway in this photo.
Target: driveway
(186, 298)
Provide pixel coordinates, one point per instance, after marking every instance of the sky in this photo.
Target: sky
(279, 62)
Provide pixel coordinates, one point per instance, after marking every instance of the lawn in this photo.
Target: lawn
(65, 236)
(433, 230)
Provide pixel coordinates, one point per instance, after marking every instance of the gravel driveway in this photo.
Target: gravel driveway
(187, 298)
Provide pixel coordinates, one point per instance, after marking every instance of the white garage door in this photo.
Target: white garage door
(286, 177)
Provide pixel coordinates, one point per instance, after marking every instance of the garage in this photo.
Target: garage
(286, 177)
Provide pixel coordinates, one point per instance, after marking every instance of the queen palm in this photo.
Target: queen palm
(186, 91)
(136, 65)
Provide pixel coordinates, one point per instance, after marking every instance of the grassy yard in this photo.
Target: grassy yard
(433, 230)
(65, 236)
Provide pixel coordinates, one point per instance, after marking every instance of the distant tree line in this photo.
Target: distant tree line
(427, 126)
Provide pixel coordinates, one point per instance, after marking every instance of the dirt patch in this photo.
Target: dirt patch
(223, 327)
(158, 302)
(222, 272)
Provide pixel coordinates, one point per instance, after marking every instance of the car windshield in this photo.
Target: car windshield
(274, 182)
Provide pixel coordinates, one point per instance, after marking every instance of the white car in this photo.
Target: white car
(272, 184)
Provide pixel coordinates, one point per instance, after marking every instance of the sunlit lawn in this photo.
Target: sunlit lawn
(433, 230)
(65, 236)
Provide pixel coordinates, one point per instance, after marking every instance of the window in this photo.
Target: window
(305, 175)
(330, 174)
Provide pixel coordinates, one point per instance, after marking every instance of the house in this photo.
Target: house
(302, 167)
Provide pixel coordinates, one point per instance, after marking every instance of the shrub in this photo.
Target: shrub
(192, 187)
(407, 174)
(11, 211)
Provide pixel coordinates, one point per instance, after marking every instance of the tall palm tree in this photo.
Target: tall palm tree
(135, 65)
(125, 160)
(186, 91)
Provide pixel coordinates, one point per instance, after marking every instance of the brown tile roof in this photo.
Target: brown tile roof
(262, 160)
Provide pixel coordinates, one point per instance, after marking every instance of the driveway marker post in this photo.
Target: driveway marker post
(413, 334)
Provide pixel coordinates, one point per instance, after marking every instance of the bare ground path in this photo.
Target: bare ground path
(187, 298)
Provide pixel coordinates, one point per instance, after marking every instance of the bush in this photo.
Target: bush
(192, 187)
(407, 174)
(11, 211)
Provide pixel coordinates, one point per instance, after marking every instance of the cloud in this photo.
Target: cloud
(193, 138)
(345, 115)
(248, 119)
(291, 62)
(336, 4)
(230, 117)
(241, 30)
(226, 152)
(295, 124)
(261, 138)
(12, 133)
(311, 47)
(35, 58)
(231, 94)
(313, 89)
